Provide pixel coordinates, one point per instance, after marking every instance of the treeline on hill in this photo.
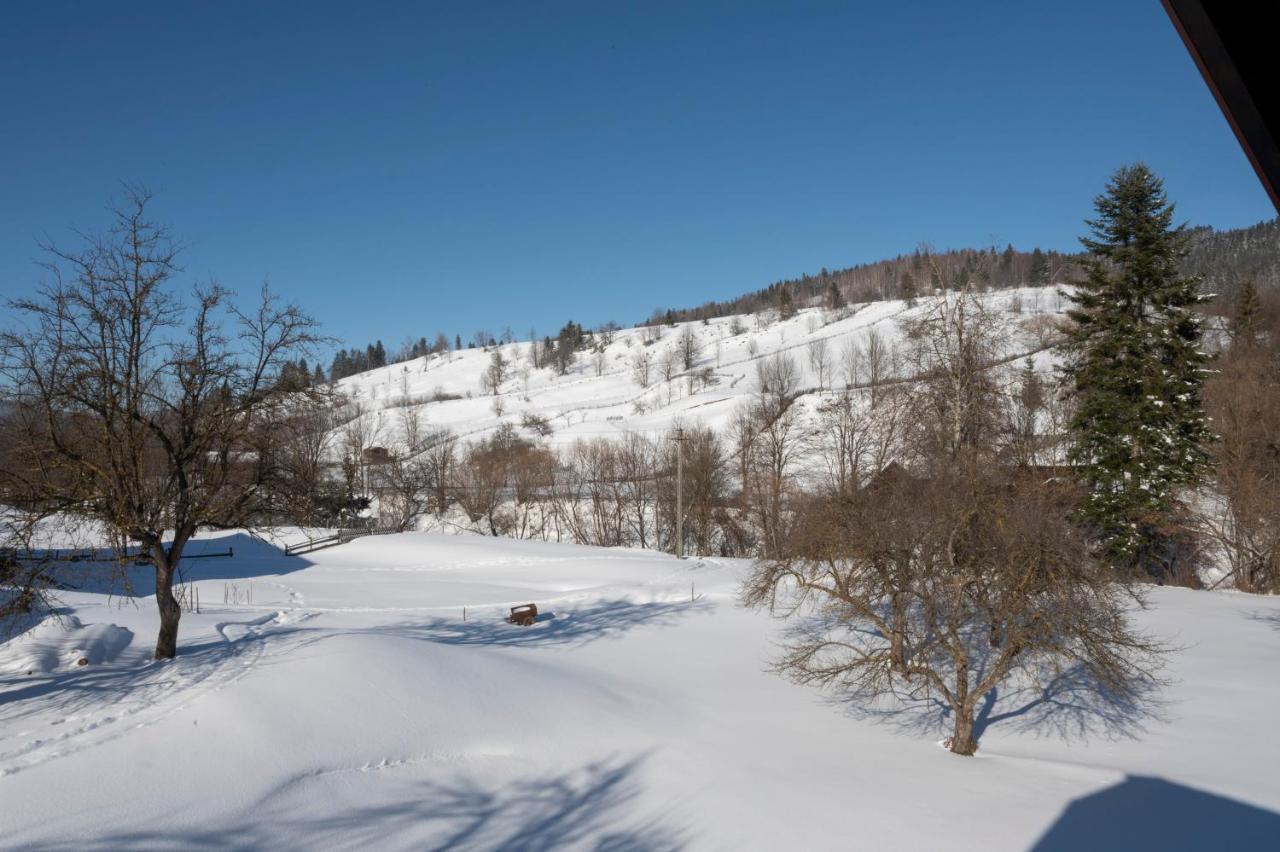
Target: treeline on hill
(903, 277)
(1225, 260)
(1221, 259)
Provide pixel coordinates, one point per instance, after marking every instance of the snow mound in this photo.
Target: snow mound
(59, 643)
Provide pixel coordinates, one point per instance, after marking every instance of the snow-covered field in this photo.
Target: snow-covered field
(583, 404)
(352, 706)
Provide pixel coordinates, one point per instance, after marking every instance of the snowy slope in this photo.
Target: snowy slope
(351, 706)
(583, 405)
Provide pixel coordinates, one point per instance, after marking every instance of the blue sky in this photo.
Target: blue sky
(402, 169)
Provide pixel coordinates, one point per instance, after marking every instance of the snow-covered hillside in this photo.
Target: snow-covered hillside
(582, 404)
(353, 706)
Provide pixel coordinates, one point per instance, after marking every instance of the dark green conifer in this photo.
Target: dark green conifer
(1139, 429)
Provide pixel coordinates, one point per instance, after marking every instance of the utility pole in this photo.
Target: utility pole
(679, 439)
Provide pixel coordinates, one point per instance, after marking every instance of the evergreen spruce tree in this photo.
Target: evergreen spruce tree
(786, 309)
(1039, 268)
(907, 288)
(1006, 267)
(1139, 429)
(835, 299)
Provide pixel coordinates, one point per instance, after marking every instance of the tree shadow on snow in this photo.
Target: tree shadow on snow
(601, 620)
(134, 679)
(593, 807)
(202, 560)
(1271, 619)
(1151, 813)
(1066, 703)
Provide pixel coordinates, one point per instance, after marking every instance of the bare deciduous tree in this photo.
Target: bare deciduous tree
(819, 360)
(868, 365)
(140, 408)
(495, 374)
(688, 346)
(775, 450)
(779, 380)
(853, 441)
(642, 366)
(961, 574)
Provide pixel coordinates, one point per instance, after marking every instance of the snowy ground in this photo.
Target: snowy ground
(351, 706)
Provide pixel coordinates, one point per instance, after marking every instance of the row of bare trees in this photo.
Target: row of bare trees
(1239, 515)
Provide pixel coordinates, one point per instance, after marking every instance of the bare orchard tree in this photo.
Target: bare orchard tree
(669, 363)
(303, 425)
(820, 361)
(361, 432)
(409, 473)
(960, 574)
(779, 382)
(852, 440)
(975, 580)
(776, 449)
(478, 484)
(637, 472)
(596, 512)
(495, 469)
(868, 364)
(642, 366)
(141, 408)
(495, 374)
(406, 494)
(689, 347)
(743, 425)
(668, 366)
(703, 493)
(954, 344)
(440, 454)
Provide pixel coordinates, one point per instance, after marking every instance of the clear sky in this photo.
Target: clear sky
(406, 168)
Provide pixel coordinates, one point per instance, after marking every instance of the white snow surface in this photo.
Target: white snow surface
(584, 405)
(352, 707)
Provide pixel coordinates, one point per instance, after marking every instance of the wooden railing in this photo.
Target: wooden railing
(333, 540)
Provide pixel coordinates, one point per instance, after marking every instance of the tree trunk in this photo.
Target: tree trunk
(897, 636)
(962, 740)
(170, 610)
(166, 562)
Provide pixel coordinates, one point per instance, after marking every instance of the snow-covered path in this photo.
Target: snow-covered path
(352, 706)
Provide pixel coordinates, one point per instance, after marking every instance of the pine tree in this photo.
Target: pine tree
(907, 289)
(835, 299)
(1039, 268)
(786, 309)
(1139, 430)
(1006, 266)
